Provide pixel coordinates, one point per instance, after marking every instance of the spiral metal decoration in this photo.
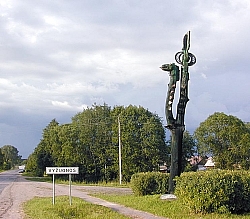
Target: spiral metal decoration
(179, 56)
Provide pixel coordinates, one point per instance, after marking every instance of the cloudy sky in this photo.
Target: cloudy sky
(58, 57)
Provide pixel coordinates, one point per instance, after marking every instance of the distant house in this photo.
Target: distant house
(202, 163)
(196, 160)
(164, 168)
(210, 163)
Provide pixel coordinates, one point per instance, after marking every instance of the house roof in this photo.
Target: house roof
(209, 162)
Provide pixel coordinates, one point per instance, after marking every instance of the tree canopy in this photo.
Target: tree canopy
(227, 139)
(9, 157)
(90, 141)
(248, 125)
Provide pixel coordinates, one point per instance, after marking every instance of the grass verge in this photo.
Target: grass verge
(42, 208)
(66, 182)
(169, 209)
(152, 204)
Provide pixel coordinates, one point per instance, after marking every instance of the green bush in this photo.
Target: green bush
(220, 191)
(149, 183)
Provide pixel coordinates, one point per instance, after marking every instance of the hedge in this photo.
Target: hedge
(149, 183)
(220, 191)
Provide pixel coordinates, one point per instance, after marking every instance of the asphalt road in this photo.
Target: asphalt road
(7, 178)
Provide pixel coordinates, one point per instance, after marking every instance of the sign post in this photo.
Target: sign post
(70, 198)
(53, 189)
(62, 170)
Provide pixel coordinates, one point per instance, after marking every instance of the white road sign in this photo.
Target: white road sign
(62, 170)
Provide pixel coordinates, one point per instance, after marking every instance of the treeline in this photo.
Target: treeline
(91, 142)
(9, 157)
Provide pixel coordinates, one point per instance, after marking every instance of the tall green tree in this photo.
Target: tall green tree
(90, 142)
(51, 142)
(248, 125)
(39, 160)
(225, 138)
(94, 128)
(243, 155)
(142, 137)
(11, 156)
(67, 138)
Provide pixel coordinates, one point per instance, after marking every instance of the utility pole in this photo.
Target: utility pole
(120, 151)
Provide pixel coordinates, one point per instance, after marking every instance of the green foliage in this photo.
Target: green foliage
(90, 142)
(248, 125)
(9, 157)
(149, 183)
(143, 140)
(189, 168)
(38, 161)
(227, 138)
(167, 209)
(152, 204)
(221, 191)
(42, 208)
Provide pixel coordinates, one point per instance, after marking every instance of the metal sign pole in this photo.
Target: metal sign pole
(62, 170)
(53, 199)
(70, 198)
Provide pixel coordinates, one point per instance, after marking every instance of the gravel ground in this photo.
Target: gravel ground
(22, 190)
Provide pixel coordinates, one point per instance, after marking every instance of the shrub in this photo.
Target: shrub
(218, 191)
(149, 183)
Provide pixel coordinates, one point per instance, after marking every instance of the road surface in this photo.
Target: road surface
(6, 178)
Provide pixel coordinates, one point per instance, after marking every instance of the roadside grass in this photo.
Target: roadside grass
(104, 184)
(151, 203)
(39, 179)
(170, 209)
(66, 182)
(42, 208)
